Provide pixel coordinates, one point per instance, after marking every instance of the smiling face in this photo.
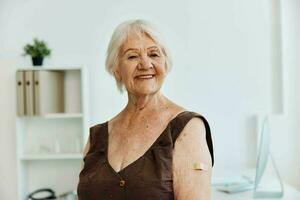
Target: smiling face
(141, 65)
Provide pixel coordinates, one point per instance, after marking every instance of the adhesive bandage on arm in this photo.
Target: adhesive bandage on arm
(200, 166)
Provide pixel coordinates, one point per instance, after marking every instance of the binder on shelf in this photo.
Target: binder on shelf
(48, 92)
(29, 98)
(20, 77)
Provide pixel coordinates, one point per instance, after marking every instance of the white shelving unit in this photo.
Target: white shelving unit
(49, 147)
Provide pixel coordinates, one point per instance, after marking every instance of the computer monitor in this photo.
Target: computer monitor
(262, 160)
(235, 185)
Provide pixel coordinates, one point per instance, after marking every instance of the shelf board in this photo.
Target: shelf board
(51, 156)
(65, 68)
(63, 115)
(54, 116)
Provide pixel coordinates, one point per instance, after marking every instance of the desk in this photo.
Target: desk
(290, 193)
(268, 181)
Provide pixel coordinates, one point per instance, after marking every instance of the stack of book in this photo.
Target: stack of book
(40, 92)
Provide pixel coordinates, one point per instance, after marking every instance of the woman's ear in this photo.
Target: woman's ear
(117, 75)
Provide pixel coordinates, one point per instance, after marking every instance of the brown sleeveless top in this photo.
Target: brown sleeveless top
(147, 178)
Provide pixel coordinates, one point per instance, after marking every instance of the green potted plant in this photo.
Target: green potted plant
(38, 51)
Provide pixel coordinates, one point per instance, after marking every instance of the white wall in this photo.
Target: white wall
(8, 175)
(290, 136)
(222, 62)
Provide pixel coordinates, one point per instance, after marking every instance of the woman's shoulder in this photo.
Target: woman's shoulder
(184, 116)
(195, 121)
(97, 126)
(194, 125)
(187, 115)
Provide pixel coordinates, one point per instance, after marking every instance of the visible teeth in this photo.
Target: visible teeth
(145, 76)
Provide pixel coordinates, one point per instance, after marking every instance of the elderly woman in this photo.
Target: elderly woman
(153, 149)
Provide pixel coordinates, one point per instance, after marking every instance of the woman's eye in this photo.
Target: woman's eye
(154, 55)
(132, 57)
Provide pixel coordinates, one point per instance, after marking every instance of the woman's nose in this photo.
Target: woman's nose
(145, 63)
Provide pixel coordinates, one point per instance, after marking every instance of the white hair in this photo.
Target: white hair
(119, 36)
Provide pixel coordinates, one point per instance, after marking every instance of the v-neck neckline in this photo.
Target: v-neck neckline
(137, 160)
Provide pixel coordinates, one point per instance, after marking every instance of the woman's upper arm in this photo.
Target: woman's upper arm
(191, 153)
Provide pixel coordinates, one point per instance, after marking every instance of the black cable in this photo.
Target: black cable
(50, 196)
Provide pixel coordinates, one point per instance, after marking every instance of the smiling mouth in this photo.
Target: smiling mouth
(150, 76)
